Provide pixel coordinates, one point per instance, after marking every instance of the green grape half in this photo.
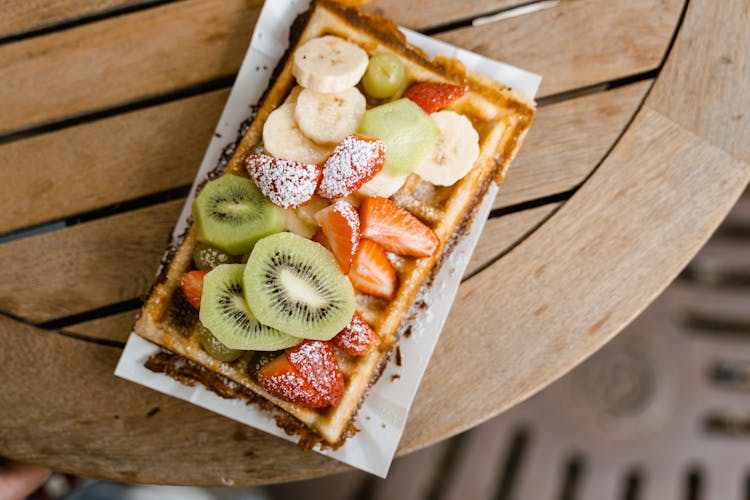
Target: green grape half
(216, 349)
(385, 75)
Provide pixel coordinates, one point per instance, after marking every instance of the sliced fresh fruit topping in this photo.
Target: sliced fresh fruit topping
(301, 220)
(319, 237)
(207, 257)
(295, 285)
(340, 225)
(283, 138)
(433, 96)
(225, 313)
(372, 272)
(192, 287)
(385, 75)
(408, 132)
(216, 349)
(455, 152)
(232, 214)
(355, 161)
(329, 64)
(357, 338)
(329, 118)
(281, 379)
(287, 183)
(395, 229)
(384, 184)
(317, 364)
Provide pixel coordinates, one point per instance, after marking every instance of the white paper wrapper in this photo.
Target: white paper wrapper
(382, 417)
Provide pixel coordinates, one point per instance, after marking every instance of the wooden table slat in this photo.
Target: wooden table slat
(612, 40)
(20, 16)
(568, 139)
(94, 264)
(143, 54)
(100, 163)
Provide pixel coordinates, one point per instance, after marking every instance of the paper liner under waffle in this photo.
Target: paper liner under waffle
(500, 115)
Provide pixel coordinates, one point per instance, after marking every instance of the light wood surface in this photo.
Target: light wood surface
(186, 44)
(563, 274)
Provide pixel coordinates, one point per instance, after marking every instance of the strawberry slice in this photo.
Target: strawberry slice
(319, 237)
(280, 378)
(396, 229)
(357, 338)
(372, 272)
(432, 96)
(355, 161)
(192, 286)
(316, 362)
(287, 183)
(340, 225)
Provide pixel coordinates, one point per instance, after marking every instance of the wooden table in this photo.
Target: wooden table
(640, 148)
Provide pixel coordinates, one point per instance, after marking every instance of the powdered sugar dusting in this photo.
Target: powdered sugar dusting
(357, 338)
(317, 364)
(291, 386)
(287, 183)
(355, 161)
(352, 220)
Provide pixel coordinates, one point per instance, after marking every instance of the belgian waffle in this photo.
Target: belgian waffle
(500, 116)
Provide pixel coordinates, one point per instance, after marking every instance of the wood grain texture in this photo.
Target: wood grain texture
(580, 42)
(143, 54)
(151, 150)
(92, 264)
(419, 14)
(20, 16)
(116, 327)
(579, 279)
(713, 102)
(567, 140)
(123, 59)
(500, 233)
(106, 161)
(105, 426)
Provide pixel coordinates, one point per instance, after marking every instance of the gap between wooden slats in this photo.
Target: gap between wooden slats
(174, 46)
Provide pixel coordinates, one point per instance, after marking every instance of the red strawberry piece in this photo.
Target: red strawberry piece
(355, 161)
(372, 272)
(357, 338)
(280, 378)
(287, 183)
(433, 96)
(340, 225)
(316, 362)
(192, 286)
(319, 237)
(395, 229)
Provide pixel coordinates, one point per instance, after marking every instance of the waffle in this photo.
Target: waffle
(500, 116)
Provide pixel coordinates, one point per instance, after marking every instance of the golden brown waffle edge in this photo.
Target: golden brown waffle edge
(500, 115)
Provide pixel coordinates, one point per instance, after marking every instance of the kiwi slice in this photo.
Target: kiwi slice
(232, 214)
(295, 285)
(225, 313)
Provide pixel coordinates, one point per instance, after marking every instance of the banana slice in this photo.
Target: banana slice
(329, 118)
(455, 151)
(329, 64)
(384, 184)
(283, 139)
